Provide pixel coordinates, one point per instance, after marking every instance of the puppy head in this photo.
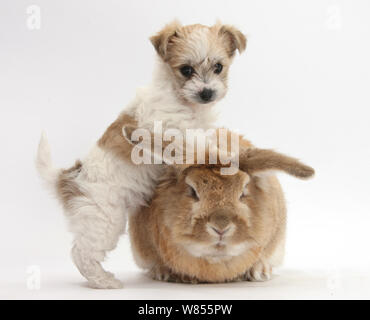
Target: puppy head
(199, 58)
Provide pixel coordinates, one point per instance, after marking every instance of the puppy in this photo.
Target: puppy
(99, 192)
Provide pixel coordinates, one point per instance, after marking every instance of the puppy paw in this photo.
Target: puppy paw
(105, 283)
(260, 271)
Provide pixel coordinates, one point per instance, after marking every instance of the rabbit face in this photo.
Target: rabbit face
(213, 220)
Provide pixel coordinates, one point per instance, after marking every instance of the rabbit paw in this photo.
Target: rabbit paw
(165, 274)
(183, 279)
(260, 271)
(160, 273)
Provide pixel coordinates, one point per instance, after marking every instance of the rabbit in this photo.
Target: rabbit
(204, 227)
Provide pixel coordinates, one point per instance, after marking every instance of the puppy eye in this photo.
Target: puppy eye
(193, 194)
(218, 68)
(187, 71)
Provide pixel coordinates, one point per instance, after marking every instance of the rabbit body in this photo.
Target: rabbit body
(180, 236)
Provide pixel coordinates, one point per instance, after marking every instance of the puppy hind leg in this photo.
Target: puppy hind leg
(88, 262)
(96, 233)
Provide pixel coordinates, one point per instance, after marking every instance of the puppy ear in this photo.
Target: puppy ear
(161, 40)
(233, 38)
(255, 161)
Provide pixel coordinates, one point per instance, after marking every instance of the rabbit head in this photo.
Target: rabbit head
(212, 215)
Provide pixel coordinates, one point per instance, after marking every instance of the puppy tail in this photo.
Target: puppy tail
(44, 164)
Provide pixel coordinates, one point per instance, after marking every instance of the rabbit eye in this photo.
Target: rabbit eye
(191, 191)
(193, 194)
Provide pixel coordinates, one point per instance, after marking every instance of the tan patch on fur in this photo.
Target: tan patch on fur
(67, 188)
(162, 38)
(174, 40)
(113, 139)
(233, 37)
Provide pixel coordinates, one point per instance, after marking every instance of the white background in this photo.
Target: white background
(302, 87)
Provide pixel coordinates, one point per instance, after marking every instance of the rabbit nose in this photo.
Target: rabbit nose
(220, 222)
(221, 232)
(220, 219)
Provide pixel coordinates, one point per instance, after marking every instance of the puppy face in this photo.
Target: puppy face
(198, 58)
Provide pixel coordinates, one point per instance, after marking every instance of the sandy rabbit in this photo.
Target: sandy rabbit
(206, 227)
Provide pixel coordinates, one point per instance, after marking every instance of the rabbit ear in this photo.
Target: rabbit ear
(256, 161)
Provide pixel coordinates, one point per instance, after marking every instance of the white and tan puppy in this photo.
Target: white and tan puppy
(99, 192)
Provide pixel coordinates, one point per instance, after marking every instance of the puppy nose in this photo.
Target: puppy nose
(206, 94)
